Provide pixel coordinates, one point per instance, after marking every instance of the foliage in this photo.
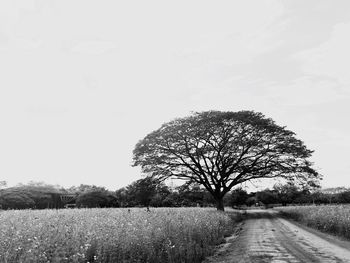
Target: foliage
(268, 197)
(39, 195)
(191, 194)
(151, 192)
(333, 219)
(111, 235)
(287, 193)
(123, 197)
(222, 149)
(148, 191)
(28, 196)
(238, 197)
(15, 199)
(85, 188)
(97, 199)
(344, 197)
(320, 197)
(252, 200)
(144, 190)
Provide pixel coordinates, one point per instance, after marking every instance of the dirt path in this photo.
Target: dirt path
(265, 237)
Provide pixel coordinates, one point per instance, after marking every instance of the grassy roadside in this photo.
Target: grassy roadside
(332, 219)
(113, 235)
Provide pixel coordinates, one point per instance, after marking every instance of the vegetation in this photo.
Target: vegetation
(333, 219)
(220, 150)
(28, 196)
(111, 235)
(38, 195)
(151, 192)
(145, 192)
(290, 194)
(281, 194)
(95, 198)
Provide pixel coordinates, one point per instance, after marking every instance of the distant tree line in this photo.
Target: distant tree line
(141, 193)
(151, 192)
(289, 194)
(36, 195)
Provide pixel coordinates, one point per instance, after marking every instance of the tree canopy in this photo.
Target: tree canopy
(220, 150)
(97, 198)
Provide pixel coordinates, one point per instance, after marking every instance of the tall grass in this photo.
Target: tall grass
(334, 219)
(111, 235)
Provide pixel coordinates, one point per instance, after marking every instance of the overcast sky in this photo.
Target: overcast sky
(82, 81)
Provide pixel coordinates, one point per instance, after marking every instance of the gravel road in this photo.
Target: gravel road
(266, 237)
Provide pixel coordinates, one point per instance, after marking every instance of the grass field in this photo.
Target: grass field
(334, 219)
(111, 235)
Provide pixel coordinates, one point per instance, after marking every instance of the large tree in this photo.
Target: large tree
(220, 150)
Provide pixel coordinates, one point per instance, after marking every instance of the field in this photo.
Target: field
(334, 219)
(111, 235)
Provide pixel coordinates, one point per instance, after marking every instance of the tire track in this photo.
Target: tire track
(264, 237)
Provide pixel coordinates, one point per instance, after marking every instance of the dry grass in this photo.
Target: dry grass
(111, 235)
(334, 219)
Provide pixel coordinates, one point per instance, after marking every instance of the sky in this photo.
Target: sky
(81, 82)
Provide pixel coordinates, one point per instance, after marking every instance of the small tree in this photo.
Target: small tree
(143, 190)
(267, 197)
(238, 197)
(220, 150)
(123, 197)
(287, 193)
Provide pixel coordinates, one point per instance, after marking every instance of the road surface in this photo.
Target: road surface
(266, 237)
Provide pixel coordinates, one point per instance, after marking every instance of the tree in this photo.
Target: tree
(123, 197)
(191, 194)
(86, 188)
(143, 190)
(97, 198)
(159, 199)
(238, 197)
(40, 194)
(287, 193)
(13, 198)
(251, 200)
(220, 150)
(267, 197)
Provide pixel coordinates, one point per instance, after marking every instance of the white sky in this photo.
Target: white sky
(82, 81)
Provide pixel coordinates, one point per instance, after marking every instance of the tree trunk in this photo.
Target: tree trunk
(220, 204)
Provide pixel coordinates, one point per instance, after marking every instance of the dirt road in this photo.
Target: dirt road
(265, 237)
